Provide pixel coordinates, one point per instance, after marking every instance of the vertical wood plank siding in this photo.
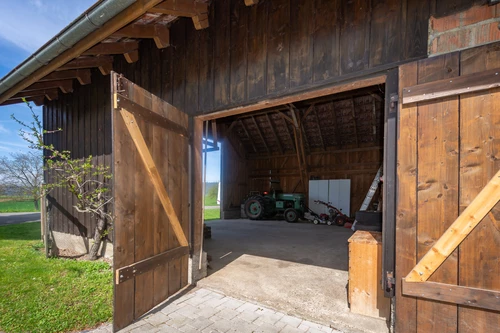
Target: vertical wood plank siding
(277, 48)
(84, 118)
(447, 152)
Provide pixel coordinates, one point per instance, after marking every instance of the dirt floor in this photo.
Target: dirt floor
(300, 269)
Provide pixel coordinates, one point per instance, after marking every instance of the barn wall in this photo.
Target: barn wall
(281, 47)
(358, 166)
(84, 120)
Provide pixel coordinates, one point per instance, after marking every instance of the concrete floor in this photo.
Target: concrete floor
(300, 269)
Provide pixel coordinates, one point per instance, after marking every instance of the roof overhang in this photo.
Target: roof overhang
(109, 28)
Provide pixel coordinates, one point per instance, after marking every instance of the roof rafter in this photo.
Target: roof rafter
(87, 62)
(51, 94)
(82, 75)
(158, 32)
(197, 11)
(66, 86)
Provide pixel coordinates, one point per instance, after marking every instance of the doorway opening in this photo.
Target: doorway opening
(299, 268)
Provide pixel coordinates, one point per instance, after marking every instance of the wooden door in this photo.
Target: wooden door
(151, 191)
(448, 151)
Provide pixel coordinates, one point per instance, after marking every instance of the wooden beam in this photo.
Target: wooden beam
(158, 32)
(66, 86)
(251, 2)
(457, 232)
(112, 48)
(200, 21)
(441, 292)
(260, 134)
(132, 56)
(106, 69)
(308, 111)
(128, 15)
(34, 93)
(451, 87)
(269, 103)
(154, 175)
(128, 272)
(87, 62)
(184, 8)
(287, 129)
(82, 75)
(294, 116)
(248, 135)
(299, 158)
(197, 11)
(274, 133)
(230, 128)
(37, 100)
(319, 129)
(150, 116)
(285, 117)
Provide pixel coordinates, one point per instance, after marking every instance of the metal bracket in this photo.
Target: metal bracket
(390, 282)
(394, 99)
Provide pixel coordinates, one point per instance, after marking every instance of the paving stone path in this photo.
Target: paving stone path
(206, 311)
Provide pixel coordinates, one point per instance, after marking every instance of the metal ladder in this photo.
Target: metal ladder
(372, 190)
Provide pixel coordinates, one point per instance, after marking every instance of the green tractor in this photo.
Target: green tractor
(268, 204)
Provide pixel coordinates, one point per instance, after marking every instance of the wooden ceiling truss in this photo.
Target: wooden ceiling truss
(301, 129)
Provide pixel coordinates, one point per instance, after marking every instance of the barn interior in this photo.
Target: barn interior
(300, 268)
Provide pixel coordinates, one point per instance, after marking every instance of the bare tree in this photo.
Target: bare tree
(24, 172)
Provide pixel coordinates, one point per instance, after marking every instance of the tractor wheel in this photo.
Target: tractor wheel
(340, 220)
(291, 215)
(254, 208)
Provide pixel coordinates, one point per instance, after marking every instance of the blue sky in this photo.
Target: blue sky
(25, 25)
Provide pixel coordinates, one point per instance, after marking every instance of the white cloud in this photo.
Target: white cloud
(29, 24)
(3, 129)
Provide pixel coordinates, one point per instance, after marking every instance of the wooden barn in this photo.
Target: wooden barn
(295, 90)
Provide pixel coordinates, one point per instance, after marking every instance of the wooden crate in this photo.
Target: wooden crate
(365, 265)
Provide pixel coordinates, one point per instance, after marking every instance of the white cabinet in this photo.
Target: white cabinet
(335, 191)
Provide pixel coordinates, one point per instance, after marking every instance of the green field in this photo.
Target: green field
(49, 295)
(16, 205)
(212, 214)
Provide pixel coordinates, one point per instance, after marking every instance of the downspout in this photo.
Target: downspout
(84, 25)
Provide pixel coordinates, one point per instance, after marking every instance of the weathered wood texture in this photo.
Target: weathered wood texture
(247, 175)
(448, 151)
(143, 228)
(365, 266)
(277, 48)
(84, 118)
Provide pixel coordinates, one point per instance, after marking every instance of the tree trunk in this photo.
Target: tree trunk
(36, 203)
(99, 230)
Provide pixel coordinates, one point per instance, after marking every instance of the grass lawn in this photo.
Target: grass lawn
(48, 295)
(12, 205)
(212, 214)
(211, 201)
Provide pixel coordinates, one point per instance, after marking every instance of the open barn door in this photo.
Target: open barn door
(151, 191)
(448, 215)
